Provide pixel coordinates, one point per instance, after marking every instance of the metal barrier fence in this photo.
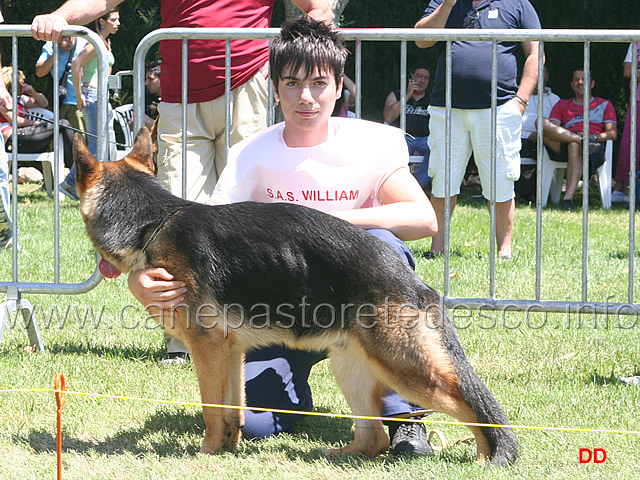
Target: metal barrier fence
(15, 288)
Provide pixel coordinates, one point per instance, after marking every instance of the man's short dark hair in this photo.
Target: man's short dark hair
(418, 66)
(580, 68)
(307, 44)
(155, 68)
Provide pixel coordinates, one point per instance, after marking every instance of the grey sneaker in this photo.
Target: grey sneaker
(619, 197)
(69, 190)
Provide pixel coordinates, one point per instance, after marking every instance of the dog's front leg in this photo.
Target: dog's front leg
(234, 417)
(211, 356)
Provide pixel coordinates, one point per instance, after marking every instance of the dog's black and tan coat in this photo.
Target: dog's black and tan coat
(262, 274)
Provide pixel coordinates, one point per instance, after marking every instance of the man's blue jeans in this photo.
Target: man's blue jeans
(90, 113)
(419, 145)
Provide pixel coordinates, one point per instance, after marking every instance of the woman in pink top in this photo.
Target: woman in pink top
(624, 155)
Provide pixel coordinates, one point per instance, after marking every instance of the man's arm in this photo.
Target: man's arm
(391, 108)
(43, 68)
(72, 12)
(529, 73)
(438, 19)
(318, 9)
(405, 210)
(610, 132)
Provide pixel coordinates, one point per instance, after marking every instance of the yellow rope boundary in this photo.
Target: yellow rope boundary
(321, 414)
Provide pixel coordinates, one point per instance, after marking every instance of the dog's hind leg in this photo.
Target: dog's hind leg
(435, 374)
(363, 394)
(213, 360)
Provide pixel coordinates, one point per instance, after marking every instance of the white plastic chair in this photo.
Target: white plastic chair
(553, 176)
(123, 115)
(47, 158)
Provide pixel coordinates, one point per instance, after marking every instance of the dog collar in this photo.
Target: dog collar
(156, 232)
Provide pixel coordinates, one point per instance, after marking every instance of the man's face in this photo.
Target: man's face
(66, 43)
(152, 82)
(421, 78)
(307, 103)
(577, 83)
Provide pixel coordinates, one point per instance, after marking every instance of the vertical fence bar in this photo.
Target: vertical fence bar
(447, 169)
(56, 169)
(14, 156)
(358, 79)
(494, 146)
(185, 104)
(403, 86)
(271, 98)
(539, 167)
(585, 169)
(227, 97)
(633, 102)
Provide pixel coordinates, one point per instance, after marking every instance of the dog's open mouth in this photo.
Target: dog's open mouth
(107, 269)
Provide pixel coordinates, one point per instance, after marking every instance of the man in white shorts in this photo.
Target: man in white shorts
(471, 102)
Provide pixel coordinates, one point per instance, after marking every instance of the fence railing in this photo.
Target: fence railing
(15, 288)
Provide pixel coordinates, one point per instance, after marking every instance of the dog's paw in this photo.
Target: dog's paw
(330, 452)
(231, 437)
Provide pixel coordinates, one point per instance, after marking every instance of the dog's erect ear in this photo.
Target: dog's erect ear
(142, 150)
(85, 162)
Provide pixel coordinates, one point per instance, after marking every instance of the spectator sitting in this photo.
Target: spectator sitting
(5, 219)
(563, 133)
(417, 117)
(70, 47)
(346, 100)
(152, 93)
(34, 136)
(529, 131)
(526, 185)
(624, 154)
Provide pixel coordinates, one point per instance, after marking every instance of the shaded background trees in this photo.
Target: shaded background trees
(381, 60)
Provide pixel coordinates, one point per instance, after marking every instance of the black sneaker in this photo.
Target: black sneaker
(176, 358)
(567, 205)
(409, 438)
(429, 255)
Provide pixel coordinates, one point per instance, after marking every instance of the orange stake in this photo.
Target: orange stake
(59, 385)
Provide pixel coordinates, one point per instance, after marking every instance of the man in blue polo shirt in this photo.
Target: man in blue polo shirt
(69, 49)
(471, 102)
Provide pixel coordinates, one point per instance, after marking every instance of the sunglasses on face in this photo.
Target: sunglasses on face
(471, 20)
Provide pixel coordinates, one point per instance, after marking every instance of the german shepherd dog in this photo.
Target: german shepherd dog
(308, 280)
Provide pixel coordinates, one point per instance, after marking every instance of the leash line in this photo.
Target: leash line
(323, 414)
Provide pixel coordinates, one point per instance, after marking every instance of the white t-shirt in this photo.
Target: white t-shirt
(549, 99)
(344, 173)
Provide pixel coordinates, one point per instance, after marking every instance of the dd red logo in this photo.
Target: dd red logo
(597, 455)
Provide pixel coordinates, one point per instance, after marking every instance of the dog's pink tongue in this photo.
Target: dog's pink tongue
(108, 270)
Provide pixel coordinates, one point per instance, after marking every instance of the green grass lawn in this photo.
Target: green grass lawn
(546, 371)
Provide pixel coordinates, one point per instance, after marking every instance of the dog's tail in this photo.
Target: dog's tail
(503, 441)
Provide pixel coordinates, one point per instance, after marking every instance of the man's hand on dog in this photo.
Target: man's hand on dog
(156, 289)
